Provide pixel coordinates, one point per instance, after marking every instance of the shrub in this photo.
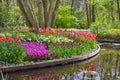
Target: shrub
(11, 52)
(10, 16)
(65, 19)
(64, 50)
(109, 34)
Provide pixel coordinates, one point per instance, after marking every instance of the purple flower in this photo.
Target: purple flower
(36, 49)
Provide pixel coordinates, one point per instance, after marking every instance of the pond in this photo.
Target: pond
(104, 67)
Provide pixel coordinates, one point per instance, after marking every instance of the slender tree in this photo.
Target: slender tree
(72, 4)
(90, 10)
(118, 7)
(116, 65)
(0, 11)
(0, 1)
(41, 14)
(87, 13)
(47, 12)
(93, 11)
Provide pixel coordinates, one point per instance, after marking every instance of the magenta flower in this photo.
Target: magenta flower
(36, 49)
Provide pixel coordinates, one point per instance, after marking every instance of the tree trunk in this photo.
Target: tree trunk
(87, 13)
(50, 12)
(118, 7)
(72, 3)
(45, 6)
(41, 15)
(93, 12)
(0, 11)
(55, 12)
(112, 9)
(28, 14)
(90, 11)
(116, 65)
(47, 11)
(0, 1)
(24, 13)
(32, 11)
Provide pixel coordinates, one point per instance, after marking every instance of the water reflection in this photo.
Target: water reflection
(109, 62)
(105, 67)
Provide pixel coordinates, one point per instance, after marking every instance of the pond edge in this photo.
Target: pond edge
(81, 58)
(108, 41)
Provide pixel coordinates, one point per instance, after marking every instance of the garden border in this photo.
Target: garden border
(81, 58)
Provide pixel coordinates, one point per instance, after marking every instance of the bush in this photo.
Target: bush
(68, 51)
(99, 26)
(11, 52)
(109, 34)
(65, 19)
(10, 16)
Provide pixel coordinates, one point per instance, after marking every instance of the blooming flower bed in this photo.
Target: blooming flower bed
(47, 44)
(8, 38)
(80, 33)
(36, 49)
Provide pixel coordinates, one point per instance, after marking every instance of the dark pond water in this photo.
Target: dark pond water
(105, 67)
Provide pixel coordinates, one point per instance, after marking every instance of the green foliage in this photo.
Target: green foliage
(10, 16)
(68, 51)
(11, 52)
(65, 19)
(106, 16)
(51, 39)
(82, 22)
(26, 36)
(109, 34)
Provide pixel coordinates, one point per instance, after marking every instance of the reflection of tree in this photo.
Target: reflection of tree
(116, 67)
(51, 76)
(119, 67)
(66, 76)
(109, 61)
(108, 65)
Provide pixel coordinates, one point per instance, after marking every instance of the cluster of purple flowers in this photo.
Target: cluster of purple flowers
(36, 49)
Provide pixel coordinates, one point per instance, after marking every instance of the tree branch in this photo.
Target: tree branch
(45, 6)
(57, 4)
(41, 15)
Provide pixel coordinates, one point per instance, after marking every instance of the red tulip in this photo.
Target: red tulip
(7, 37)
(1, 38)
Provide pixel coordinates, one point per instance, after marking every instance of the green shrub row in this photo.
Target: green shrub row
(109, 34)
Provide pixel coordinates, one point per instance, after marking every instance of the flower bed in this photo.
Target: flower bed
(23, 46)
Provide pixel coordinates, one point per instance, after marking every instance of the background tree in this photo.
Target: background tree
(118, 8)
(81, 14)
(87, 12)
(47, 11)
(0, 10)
(0, 1)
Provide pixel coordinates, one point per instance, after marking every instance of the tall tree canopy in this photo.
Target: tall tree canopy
(45, 15)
